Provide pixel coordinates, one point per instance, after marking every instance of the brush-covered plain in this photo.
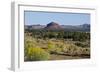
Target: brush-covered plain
(41, 45)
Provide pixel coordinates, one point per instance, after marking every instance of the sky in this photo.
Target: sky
(43, 18)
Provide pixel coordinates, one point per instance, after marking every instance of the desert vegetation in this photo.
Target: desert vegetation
(43, 44)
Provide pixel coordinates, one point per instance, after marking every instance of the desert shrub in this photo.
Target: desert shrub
(30, 42)
(55, 47)
(50, 46)
(61, 47)
(83, 44)
(36, 54)
(74, 50)
(86, 51)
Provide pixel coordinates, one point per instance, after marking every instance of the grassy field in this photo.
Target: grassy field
(39, 48)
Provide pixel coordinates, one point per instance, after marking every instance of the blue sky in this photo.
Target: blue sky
(44, 18)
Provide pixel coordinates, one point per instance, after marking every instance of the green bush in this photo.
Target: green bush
(82, 44)
(50, 46)
(36, 54)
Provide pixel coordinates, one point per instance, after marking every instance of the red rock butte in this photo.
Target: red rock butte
(53, 25)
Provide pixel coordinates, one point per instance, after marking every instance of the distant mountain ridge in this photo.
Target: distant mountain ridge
(36, 26)
(56, 26)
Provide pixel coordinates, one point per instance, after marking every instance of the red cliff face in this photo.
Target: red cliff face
(53, 25)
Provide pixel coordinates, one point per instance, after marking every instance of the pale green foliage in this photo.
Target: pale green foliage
(37, 54)
(50, 46)
(33, 52)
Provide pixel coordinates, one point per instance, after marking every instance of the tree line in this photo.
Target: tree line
(59, 34)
